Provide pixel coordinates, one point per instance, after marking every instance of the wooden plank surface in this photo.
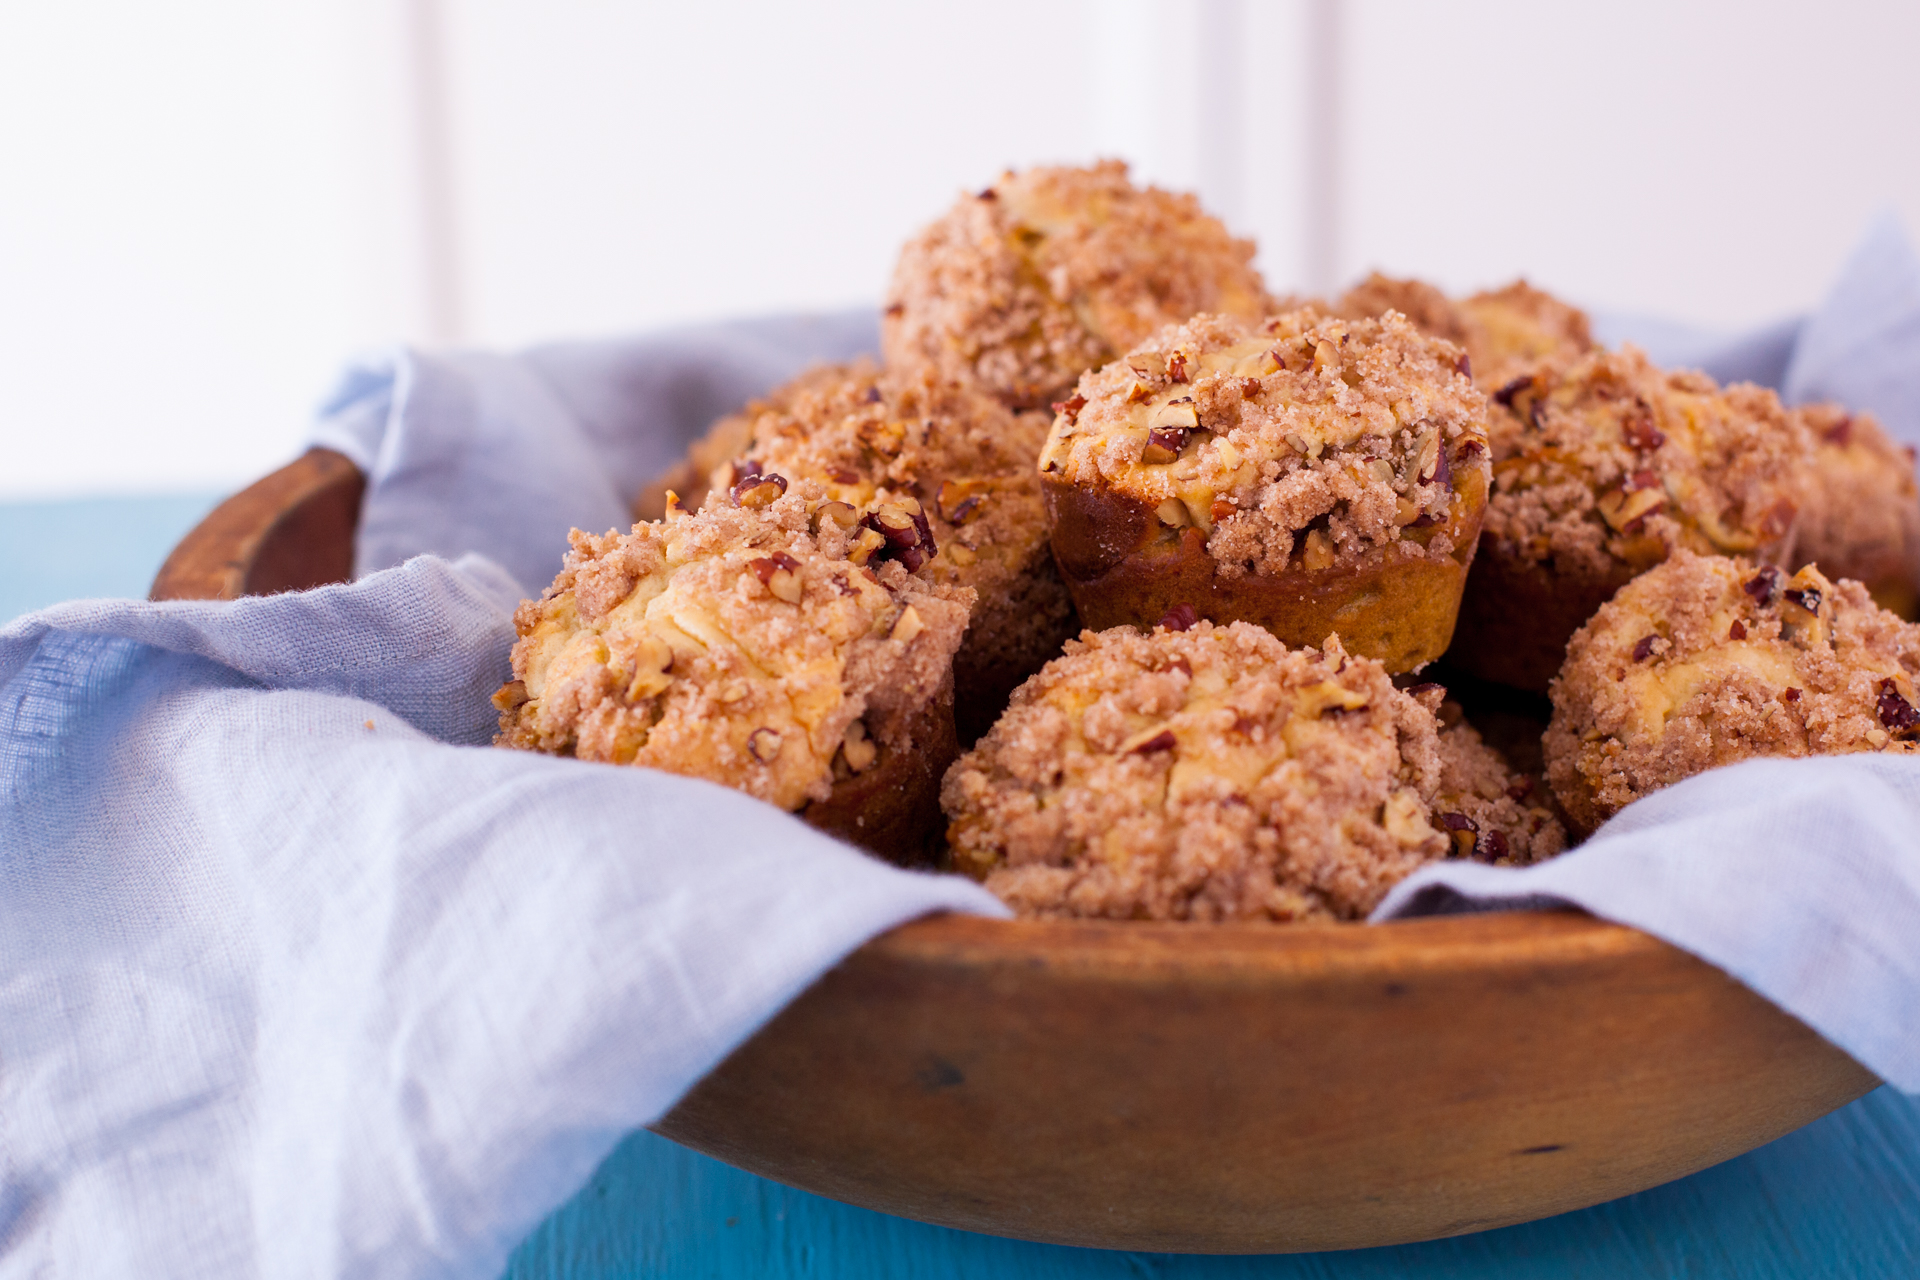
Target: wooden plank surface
(1840, 1197)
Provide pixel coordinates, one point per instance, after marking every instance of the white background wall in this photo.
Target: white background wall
(205, 206)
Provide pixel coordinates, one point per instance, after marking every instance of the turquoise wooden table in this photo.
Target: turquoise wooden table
(1839, 1198)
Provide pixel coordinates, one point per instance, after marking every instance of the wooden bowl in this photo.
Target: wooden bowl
(1221, 1089)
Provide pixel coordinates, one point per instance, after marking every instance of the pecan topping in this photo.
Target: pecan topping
(1461, 830)
(1495, 845)
(1070, 407)
(1180, 617)
(1896, 712)
(510, 695)
(779, 573)
(1442, 469)
(1738, 631)
(841, 475)
(1463, 366)
(1161, 741)
(1164, 445)
(1249, 388)
(896, 309)
(1520, 790)
(1641, 433)
(1807, 598)
(1790, 695)
(902, 524)
(1222, 508)
(908, 625)
(1840, 433)
(1626, 510)
(968, 510)
(1764, 586)
(1644, 648)
(1506, 394)
(839, 513)
(1177, 366)
(756, 490)
(764, 744)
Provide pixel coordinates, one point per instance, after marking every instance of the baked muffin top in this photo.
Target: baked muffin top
(1622, 464)
(1204, 773)
(1255, 432)
(1860, 515)
(1706, 660)
(759, 645)
(1051, 272)
(1505, 332)
(913, 437)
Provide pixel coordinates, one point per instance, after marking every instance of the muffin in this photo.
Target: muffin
(1860, 516)
(1488, 810)
(1708, 660)
(724, 441)
(1197, 772)
(1312, 475)
(1620, 466)
(780, 646)
(1508, 334)
(1514, 331)
(1048, 273)
(961, 462)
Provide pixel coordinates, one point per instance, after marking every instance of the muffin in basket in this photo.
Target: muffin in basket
(1620, 465)
(1312, 475)
(1505, 332)
(953, 457)
(779, 646)
(1051, 272)
(1860, 516)
(1197, 772)
(1707, 660)
(1509, 333)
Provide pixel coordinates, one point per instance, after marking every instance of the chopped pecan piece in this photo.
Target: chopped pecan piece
(1764, 586)
(758, 490)
(1164, 445)
(1070, 407)
(1494, 845)
(1177, 366)
(1161, 741)
(1643, 649)
(764, 744)
(510, 695)
(903, 525)
(1738, 631)
(1640, 431)
(1180, 617)
(1461, 830)
(1896, 712)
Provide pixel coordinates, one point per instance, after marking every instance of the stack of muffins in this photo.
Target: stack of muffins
(1190, 572)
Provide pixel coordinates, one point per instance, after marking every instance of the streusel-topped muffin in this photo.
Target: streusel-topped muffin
(1620, 466)
(1708, 660)
(1051, 272)
(1312, 475)
(959, 460)
(1197, 772)
(1860, 516)
(776, 643)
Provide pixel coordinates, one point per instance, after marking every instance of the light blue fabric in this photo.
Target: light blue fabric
(300, 978)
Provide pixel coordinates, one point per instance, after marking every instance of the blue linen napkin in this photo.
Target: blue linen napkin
(296, 978)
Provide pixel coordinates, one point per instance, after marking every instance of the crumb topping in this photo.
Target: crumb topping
(1622, 464)
(1303, 436)
(754, 645)
(1208, 773)
(1707, 660)
(1860, 516)
(1050, 272)
(955, 456)
(1490, 812)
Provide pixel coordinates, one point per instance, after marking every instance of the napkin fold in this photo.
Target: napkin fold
(297, 978)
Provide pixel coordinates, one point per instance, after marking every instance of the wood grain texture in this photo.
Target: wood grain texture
(1202, 1089)
(289, 531)
(1840, 1197)
(1250, 1089)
